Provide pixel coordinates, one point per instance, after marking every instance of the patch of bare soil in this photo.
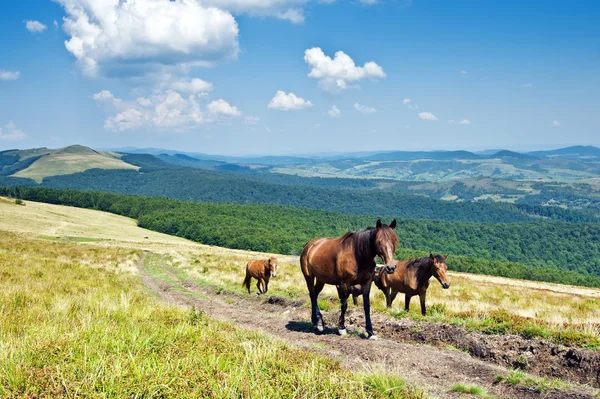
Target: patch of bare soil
(427, 366)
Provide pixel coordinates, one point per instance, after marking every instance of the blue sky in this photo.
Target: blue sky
(204, 75)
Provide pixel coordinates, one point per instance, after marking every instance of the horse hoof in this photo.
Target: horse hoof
(373, 337)
(318, 329)
(342, 332)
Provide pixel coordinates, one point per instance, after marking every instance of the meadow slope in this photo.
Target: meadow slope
(209, 278)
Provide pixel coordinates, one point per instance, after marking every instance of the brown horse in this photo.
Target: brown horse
(261, 270)
(412, 278)
(346, 261)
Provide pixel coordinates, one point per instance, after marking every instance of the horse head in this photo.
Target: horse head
(386, 241)
(272, 263)
(439, 269)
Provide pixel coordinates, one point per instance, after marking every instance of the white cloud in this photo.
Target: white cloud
(194, 86)
(364, 110)
(465, 122)
(133, 38)
(10, 132)
(369, 2)
(251, 120)
(9, 75)
(334, 112)
(163, 110)
(527, 85)
(35, 26)
(406, 101)
(222, 107)
(463, 72)
(452, 121)
(555, 123)
(334, 74)
(286, 102)
(55, 23)
(428, 116)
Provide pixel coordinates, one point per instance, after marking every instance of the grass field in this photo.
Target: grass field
(71, 160)
(75, 321)
(565, 314)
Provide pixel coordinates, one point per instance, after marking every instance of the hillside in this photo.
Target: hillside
(38, 164)
(95, 279)
(532, 251)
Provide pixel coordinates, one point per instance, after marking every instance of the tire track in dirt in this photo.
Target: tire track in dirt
(432, 368)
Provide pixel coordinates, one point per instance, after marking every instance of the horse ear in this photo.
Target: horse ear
(378, 223)
(431, 256)
(445, 257)
(393, 224)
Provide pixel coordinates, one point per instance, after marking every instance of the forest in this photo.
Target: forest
(156, 180)
(541, 250)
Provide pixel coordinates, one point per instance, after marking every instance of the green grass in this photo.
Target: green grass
(474, 390)
(76, 322)
(518, 377)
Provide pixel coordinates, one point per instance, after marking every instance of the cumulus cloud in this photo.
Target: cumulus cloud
(35, 26)
(465, 122)
(222, 107)
(555, 123)
(163, 110)
(287, 102)
(9, 75)
(135, 37)
(10, 132)
(406, 101)
(334, 112)
(334, 74)
(194, 86)
(428, 116)
(527, 85)
(364, 110)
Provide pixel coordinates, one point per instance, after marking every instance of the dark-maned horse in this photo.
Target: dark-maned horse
(412, 278)
(346, 261)
(262, 270)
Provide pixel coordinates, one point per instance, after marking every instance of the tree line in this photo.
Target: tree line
(543, 251)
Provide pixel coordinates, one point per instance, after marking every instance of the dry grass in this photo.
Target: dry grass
(71, 161)
(540, 309)
(75, 322)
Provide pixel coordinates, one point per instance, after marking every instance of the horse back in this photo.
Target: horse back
(404, 279)
(332, 261)
(256, 268)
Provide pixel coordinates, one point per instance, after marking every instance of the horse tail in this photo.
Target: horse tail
(248, 278)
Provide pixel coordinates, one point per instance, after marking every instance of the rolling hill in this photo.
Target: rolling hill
(40, 163)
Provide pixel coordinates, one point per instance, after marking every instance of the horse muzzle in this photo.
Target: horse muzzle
(389, 269)
(445, 285)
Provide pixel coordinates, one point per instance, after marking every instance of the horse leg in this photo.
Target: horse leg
(259, 286)
(387, 291)
(355, 298)
(266, 281)
(422, 298)
(320, 325)
(366, 291)
(407, 302)
(393, 294)
(343, 293)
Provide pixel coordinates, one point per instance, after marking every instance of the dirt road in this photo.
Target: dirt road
(433, 368)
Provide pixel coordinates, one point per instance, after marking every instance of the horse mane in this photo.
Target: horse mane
(419, 262)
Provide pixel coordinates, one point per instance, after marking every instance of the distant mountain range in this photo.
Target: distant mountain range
(564, 164)
(574, 152)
